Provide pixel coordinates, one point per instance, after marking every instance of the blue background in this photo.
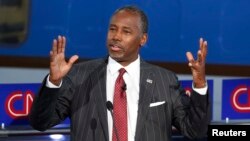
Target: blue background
(175, 27)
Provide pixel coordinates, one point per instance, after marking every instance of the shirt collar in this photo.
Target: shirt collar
(132, 68)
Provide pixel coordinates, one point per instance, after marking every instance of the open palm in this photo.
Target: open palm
(59, 67)
(198, 66)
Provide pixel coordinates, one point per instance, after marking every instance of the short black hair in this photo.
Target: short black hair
(136, 10)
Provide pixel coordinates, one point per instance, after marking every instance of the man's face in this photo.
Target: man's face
(125, 37)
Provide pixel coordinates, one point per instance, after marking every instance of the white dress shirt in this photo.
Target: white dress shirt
(131, 78)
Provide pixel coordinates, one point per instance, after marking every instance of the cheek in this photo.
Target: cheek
(132, 48)
(108, 36)
(134, 43)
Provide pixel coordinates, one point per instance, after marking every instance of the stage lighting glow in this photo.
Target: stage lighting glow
(56, 136)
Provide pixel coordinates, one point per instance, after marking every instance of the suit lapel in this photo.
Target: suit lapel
(146, 90)
(99, 83)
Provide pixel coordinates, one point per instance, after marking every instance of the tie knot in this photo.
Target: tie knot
(122, 71)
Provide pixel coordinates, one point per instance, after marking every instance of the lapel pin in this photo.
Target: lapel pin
(149, 81)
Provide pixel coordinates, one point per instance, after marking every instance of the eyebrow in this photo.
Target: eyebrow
(125, 27)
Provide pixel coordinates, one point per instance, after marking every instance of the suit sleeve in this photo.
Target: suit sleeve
(51, 106)
(191, 115)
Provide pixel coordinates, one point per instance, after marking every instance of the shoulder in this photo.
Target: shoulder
(91, 64)
(84, 69)
(88, 66)
(159, 72)
(156, 69)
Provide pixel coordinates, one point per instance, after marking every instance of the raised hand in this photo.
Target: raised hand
(59, 67)
(198, 66)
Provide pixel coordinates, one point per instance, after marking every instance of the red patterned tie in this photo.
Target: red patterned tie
(120, 109)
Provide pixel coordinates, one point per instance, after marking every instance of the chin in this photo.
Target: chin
(117, 58)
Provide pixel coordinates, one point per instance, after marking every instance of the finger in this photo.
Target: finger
(63, 44)
(190, 59)
(200, 43)
(200, 48)
(59, 47)
(51, 54)
(54, 46)
(73, 59)
(199, 56)
(204, 50)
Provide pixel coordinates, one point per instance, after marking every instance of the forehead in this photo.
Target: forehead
(126, 18)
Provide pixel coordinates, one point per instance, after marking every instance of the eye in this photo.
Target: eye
(112, 28)
(127, 31)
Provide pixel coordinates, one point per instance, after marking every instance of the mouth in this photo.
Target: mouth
(115, 47)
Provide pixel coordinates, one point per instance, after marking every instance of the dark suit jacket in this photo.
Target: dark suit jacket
(82, 97)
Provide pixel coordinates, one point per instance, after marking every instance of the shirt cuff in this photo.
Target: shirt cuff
(201, 91)
(51, 85)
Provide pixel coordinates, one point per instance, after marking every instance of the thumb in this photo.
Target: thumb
(190, 58)
(73, 59)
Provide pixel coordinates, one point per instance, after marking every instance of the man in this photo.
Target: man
(154, 100)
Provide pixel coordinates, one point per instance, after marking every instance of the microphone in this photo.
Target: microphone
(124, 87)
(110, 107)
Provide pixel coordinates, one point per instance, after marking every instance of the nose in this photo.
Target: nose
(117, 36)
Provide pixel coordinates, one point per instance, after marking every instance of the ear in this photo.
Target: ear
(144, 39)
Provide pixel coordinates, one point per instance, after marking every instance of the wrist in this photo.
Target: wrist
(200, 85)
(55, 82)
